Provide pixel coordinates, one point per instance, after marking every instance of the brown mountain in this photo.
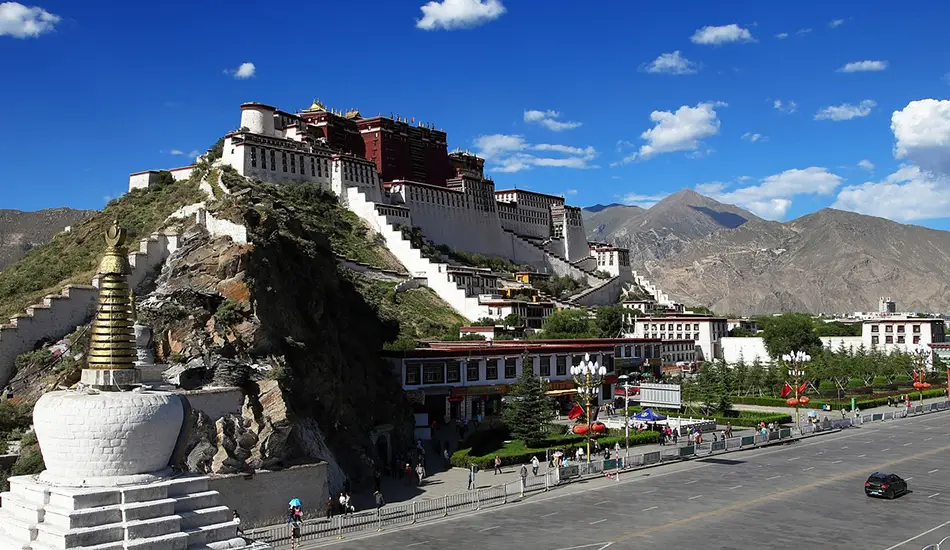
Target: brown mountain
(21, 231)
(830, 261)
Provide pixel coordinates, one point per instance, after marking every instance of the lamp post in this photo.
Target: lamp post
(795, 361)
(588, 378)
(626, 413)
(920, 361)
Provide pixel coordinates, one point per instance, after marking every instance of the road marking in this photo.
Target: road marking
(551, 514)
(773, 477)
(908, 478)
(416, 544)
(935, 470)
(650, 491)
(910, 443)
(862, 456)
(692, 481)
(885, 450)
(808, 468)
(933, 495)
(736, 487)
(695, 497)
(488, 528)
(928, 439)
(602, 502)
(605, 545)
(836, 462)
(598, 521)
(794, 458)
(821, 452)
(650, 508)
(843, 448)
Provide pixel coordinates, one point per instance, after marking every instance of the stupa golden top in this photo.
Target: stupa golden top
(112, 344)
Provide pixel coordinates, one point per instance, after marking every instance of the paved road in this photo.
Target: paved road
(803, 495)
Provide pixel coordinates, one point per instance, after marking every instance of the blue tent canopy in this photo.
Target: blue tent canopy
(648, 415)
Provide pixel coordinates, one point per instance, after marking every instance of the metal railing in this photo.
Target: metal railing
(396, 515)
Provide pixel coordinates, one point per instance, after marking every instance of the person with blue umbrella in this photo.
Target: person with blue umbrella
(295, 516)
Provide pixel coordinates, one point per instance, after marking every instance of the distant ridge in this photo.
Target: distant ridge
(21, 231)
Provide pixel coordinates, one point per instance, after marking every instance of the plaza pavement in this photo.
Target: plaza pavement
(807, 494)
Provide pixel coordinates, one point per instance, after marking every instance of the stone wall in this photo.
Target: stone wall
(215, 402)
(605, 294)
(261, 498)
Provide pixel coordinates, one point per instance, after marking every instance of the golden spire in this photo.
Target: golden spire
(112, 344)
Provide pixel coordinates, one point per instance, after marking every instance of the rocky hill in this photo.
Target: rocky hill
(21, 231)
(703, 252)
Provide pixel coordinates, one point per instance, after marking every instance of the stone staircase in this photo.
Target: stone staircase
(59, 314)
(435, 273)
(559, 263)
(661, 297)
(176, 514)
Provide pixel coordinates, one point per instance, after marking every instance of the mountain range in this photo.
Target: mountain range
(703, 252)
(21, 231)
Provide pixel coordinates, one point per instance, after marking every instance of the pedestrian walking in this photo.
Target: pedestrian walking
(378, 479)
(524, 477)
(237, 519)
(497, 465)
(471, 477)
(330, 506)
(535, 464)
(420, 472)
(380, 502)
(447, 458)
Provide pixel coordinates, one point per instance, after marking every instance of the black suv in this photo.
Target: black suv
(884, 485)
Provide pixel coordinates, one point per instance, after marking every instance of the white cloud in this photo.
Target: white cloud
(782, 35)
(754, 138)
(672, 63)
(836, 23)
(772, 197)
(803, 32)
(459, 14)
(511, 153)
(20, 21)
(724, 34)
(846, 111)
(866, 164)
(922, 133)
(243, 72)
(643, 201)
(682, 130)
(548, 119)
(570, 192)
(909, 194)
(863, 66)
(179, 152)
(787, 107)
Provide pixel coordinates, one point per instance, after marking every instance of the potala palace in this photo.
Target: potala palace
(395, 174)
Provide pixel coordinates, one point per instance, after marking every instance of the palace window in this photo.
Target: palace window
(273, 163)
(916, 339)
(511, 368)
(888, 328)
(888, 339)
(263, 159)
(900, 338)
(900, 328)
(303, 170)
(916, 329)
(283, 157)
(453, 373)
(875, 340)
(874, 328)
(561, 365)
(313, 169)
(325, 168)
(544, 365)
(471, 371)
(413, 374)
(293, 164)
(491, 369)
(608, 361)
(433, 373)
(253, 157)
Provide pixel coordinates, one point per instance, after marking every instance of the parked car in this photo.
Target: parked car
(884, 485)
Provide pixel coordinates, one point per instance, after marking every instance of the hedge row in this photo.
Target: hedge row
(515, 452)
(816, 403)
(752, 421)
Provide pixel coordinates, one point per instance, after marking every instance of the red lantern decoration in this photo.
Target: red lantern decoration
(580, 429)
(791, 401)
(803, 400)
(918, 385)
(599, 427)
(926, 385)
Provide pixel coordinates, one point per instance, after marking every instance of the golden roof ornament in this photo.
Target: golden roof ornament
(112, 344)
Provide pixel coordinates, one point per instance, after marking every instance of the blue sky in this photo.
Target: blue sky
(613, 101)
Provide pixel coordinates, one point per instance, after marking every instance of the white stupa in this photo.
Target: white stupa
(107, 448)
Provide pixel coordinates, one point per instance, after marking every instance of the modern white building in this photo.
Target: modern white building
(611, 259)
(903, 333)
(705, 331)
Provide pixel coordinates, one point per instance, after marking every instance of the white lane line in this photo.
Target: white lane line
(933, 495)
(821, 452)
(773, 477)
(845, 447)
(695, 497)
(836, 462)
(928, 428)
(917, 536)
(551, 514)
(908, 478)
(650, 508)
(808, 468)
(488, 528)
(598, 521)
(692, 481)
(794, 458)
(885, 450)
(416, 544)
(928, 439)
(862, 456)
(736, 487)
(602, 502)
(906, 444)
(650, 491)
(935, 470)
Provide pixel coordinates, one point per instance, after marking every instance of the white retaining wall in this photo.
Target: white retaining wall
(605, 294)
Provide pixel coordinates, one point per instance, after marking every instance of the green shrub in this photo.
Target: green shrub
(29, 462)
(515, 452)
(229, 313)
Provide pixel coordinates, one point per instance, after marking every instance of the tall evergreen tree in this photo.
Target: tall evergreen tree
(530, 411)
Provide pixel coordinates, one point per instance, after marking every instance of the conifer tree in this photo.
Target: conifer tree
(530, 411)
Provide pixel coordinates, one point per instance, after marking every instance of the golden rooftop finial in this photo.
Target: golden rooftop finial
(112, 344)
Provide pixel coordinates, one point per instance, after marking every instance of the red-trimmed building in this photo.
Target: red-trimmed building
(464, 379)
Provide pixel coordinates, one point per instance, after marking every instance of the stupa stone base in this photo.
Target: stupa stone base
(173, 514)
(114, 379)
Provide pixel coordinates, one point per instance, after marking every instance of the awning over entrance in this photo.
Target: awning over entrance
(561, 392)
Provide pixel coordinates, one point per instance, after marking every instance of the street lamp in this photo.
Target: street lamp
(588, 378)
(920, 361)
(626, 412)
(795, 360)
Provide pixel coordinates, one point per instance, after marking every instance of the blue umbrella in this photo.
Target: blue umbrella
(648, 415)
(295, 502)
